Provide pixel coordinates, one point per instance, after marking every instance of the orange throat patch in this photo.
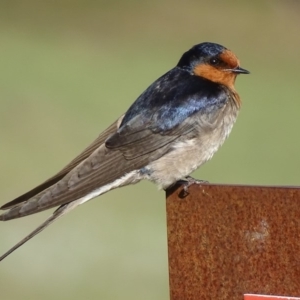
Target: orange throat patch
(216, 75)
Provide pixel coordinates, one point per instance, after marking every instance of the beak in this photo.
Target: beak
(239, 70)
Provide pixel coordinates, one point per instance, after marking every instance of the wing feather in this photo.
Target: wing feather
(57, 177)
(103, 166)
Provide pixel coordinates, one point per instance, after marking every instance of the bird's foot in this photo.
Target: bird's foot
(187, 182)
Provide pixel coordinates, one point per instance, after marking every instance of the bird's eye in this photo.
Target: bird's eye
(214, 61)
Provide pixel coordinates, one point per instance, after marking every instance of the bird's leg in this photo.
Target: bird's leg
(188, 181)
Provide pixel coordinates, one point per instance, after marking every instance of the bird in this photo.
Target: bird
(170, 130)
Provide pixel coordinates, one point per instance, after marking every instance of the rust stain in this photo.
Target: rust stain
(227, 241)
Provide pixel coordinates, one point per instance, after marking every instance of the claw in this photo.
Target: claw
(187, 182)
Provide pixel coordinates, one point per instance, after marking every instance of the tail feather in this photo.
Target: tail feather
(62, 210)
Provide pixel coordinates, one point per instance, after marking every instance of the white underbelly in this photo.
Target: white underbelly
(188, 155)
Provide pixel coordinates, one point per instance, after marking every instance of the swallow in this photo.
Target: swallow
(172, 128)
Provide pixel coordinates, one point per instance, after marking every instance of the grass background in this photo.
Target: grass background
(69, 68)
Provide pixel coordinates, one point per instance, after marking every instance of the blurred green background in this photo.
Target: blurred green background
(70, 68)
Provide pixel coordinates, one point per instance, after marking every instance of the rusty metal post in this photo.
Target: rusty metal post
(226, 241)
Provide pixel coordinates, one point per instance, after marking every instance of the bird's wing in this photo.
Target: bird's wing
(57, 177)
(128, 149)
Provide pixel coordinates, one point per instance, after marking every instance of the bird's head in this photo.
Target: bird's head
(213, 62)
